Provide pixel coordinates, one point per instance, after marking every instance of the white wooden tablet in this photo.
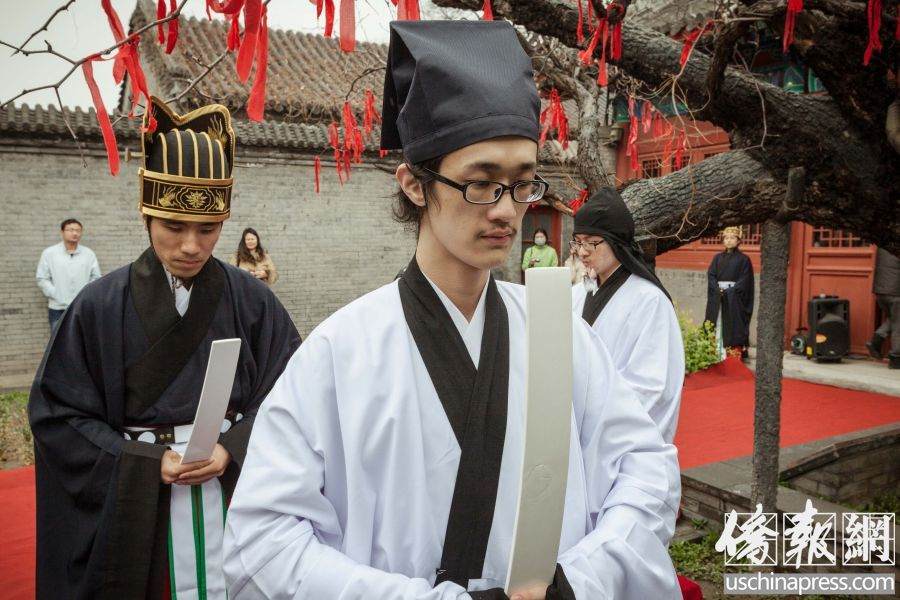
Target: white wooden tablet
(548, 421)
(220, 370)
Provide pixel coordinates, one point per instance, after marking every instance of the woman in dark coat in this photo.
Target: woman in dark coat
(729, 302)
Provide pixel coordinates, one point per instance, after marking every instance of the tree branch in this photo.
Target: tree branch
(44, 27)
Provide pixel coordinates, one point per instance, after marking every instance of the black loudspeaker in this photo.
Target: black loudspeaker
(829, 329)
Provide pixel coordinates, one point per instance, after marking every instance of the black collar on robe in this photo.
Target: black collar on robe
(173, 338)
(606, 215)
(475, 401)
(596, 302)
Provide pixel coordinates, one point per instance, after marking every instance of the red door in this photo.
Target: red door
(545, 217)
(831, 262)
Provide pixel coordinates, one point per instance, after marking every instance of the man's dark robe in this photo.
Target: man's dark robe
(736, 302)
(122, 356)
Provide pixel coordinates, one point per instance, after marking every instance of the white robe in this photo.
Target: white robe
(346, 488)
(640, 329)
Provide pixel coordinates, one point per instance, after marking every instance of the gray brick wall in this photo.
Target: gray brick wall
(329, 248)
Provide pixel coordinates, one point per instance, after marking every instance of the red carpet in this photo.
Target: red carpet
(716, 420)
(17, 525)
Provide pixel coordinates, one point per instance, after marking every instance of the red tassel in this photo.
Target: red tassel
(318, 169)
(488, 13)
(234, 33)
(329, 17)
(873, 11)
(109, 137)
(247, 51)
(793, 9)
(160, 15)
(173, 28)
(256, 105)
(348, 25)
(580, 29)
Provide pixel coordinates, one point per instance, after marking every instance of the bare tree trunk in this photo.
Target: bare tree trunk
(776, 243)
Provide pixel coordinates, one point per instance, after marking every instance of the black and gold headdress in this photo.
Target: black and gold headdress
(187, 164)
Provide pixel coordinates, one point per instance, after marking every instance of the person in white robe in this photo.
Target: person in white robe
(385, 463)
(626, 304)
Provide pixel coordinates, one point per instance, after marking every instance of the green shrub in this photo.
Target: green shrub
(699, 344)
(16, 447)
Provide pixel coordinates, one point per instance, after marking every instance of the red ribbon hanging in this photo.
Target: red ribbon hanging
(247, 52)
(160, 15)
(794, 8)
(319, 5)
(689, 40)
(646, 116)
(631, 146)
(488, 14)
(407, 10)
(173, 28)
(234, 33)
(679, 153)
(109, 137)
(873, 11)
(371, 115)
(348, 25)
(127, 60)
(256, 104)
(578, 202)
(602, 79)
(657, 124)
(334, 138)
(586, 54)
(329, 17)
(590, 17)
(228, 8)
(318, 169)
(615, 49)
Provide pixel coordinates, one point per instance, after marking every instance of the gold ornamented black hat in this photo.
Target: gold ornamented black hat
(187, 164)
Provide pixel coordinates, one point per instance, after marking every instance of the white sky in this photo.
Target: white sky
(83, 30)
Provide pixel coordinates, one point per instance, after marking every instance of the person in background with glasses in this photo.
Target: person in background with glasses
(541, 254)
(64, 269)
(386, 461)
(627, 305)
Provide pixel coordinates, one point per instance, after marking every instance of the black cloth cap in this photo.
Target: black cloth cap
(606, 215)
(450, 84)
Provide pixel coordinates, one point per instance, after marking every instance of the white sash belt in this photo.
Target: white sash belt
(724, 285)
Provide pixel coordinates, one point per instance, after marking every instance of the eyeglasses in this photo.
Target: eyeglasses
(588, 247)
(489, 192)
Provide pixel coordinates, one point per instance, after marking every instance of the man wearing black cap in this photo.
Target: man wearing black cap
(114, 398)
(627, 305)
(386, 461)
